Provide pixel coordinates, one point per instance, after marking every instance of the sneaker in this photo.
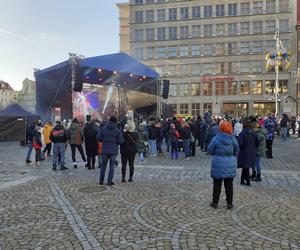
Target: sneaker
(214, 205)
(38, 163)
(75, 166)
(187, 158)
(28, 161)
(110, 183)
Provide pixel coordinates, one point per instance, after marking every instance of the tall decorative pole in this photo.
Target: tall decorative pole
(277, 68)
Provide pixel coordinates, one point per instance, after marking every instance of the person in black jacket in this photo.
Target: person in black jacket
(128, 150)
(30, 133)
(153, 135)
(91, 146)
(284, 127)
(59, 138)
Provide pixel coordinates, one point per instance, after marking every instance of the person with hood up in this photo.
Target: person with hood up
(111, 137)
(224, 148)
(248, 142)
(75, 135)
(46, 132)
(142, 143)
(128, 150)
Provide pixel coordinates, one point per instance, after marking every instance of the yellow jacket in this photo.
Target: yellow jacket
(46, 133)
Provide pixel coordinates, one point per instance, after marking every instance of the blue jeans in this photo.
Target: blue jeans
(29, 151)
(284, 133)
(59, 149)
(112, 161)
(142, 158)
(257, 164)
(152, 147)
(186, 143)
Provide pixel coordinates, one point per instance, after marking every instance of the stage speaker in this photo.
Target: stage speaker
(165, 88)
(78, 83)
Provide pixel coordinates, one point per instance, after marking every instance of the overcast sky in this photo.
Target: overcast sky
(40, 33)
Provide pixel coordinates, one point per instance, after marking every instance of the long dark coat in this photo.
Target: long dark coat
(248, 142)
(91, 145)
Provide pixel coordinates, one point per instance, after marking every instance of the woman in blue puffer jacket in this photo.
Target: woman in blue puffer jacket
(224, 148)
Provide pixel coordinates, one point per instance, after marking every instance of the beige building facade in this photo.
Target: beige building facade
(27, 96)
(124, 27)
(213, 52)
(7, 95)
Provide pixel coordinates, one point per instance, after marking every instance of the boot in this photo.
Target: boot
(258, 178)
(253, 176)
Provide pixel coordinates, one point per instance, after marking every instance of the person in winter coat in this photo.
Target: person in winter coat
(260, 151)
(202, 134)
(128, 151)
(224, 148)
(59, 138)
(142, 143)
(192, 124)
(284, 127)
(160, 138)
(186, 139)
(173, 140)
(75, 134)
(238, 127)
(91, 145)
(111, 137)
(270, 126)
(37, 144)
(46, 132)
(153, 135)
(248, 142)
(30, 133)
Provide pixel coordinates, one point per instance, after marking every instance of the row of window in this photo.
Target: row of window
(219, 10)
(221, 88)
(207, 49)
(209, 30)
(183, 108)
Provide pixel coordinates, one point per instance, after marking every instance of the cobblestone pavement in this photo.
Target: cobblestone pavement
(166, 207)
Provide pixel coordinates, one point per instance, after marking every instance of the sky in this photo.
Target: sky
(40, 33)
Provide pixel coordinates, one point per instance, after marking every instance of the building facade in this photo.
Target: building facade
(213, 52)
(124, 27)
(298, 59)
(7, 95)
(27, 96)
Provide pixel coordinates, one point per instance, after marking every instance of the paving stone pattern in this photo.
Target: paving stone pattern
(166, 207)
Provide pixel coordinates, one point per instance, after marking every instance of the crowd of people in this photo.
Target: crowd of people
(233, 143)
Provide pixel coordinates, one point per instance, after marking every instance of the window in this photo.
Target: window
(196, 50)
(196, 69)
(184, 69)
(207, 107)
(149, 15)
(173, 90)
(183, 89)
(233, 67)
(283, 86)
(208, 69)
(270, 26)
(162, 69)
(245, 28)
(245, 8)
(149, 34)
(172, 70)
(269, 87)
(208, 30)
(270, 6)
(208, 11)
(232, 9)
(172, 33)
(184, 31)
(284, 25)
(257, 27)
(161, 15)
(232, 88)
(257, 47)
(232, 29)
(172, 52)
(220, 10)
(270, 45)
(258, 7)
(245, 67)
(139, 35)
(257, 67)
(220, 49)
(244, 88)
(286, 44)
(172, 14)
(208, 49)
(284, 5)
(183, 108)
(149, 1)
(139, 53)
(138, 1)
(161, 1)
(232, 48)
(220, 29)
(195, 91)
(196, 12)
(257, 87)
(161, 52)
(245, 47)
(220, 88)
(138, 16)
(196, 109)
(150, 53)
(184, 13)
(161, 33)
(184, 51)
(219, 68)
(261, 109)
(207, 88)
(196, 30)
